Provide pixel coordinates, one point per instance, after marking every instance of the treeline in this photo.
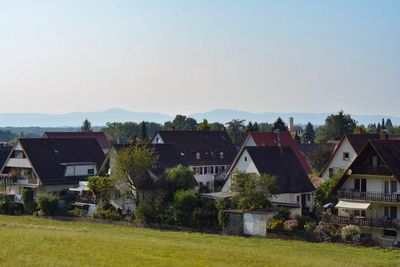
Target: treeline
(336, 125)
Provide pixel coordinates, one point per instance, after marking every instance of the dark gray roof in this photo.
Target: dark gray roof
(208, 143)
(282, 163)
(168, 156)
(358, 141)
(49, 156)
(4, 152)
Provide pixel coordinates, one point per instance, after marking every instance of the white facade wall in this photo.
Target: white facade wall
(244, 164)
(18, 163)
(337, 162)
(157, 139)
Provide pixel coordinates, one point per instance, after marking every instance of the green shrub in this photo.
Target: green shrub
(47, 204)
(183, 205)
(29, 203)
(328, 232)
(283, 214)
(276, 224)
(146, 212)
(309, 226)
(109, 215)
(4, 204)
(350, 233)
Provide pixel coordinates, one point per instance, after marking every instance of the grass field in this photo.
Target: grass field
(28, 241)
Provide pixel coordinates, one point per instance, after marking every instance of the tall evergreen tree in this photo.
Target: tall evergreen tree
(86, 126)
(279, 124)
(143, 130)
(389, 126)
(309, 134)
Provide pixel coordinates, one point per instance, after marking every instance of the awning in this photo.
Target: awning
(218, 195)
(353, 205)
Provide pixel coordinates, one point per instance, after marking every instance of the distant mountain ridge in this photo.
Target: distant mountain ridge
(119, 115)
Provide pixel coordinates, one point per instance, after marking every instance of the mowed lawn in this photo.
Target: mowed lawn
(29, 241)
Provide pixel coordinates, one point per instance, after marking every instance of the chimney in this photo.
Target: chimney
(290, 124)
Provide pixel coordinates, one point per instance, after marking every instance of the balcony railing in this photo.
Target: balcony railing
(23, 180)
(367, 222)
(370, 196)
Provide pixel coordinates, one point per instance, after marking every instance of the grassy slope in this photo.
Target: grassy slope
(28, 241)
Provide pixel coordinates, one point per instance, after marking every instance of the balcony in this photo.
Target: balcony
(370, 196)
(366, 222)
(25, 181)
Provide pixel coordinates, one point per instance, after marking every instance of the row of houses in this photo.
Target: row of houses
(368, 191)
(57, 162)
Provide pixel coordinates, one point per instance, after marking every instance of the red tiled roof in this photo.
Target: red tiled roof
(99, 136)
(270, 139)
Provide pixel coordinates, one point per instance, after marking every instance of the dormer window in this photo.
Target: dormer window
(221, 155)
(374, 162)
(197, 155)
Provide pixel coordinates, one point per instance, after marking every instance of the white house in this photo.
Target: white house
(347, 150)
(369, 191)
(50, 165)
(295, 188)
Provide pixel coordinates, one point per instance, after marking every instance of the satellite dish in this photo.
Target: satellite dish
(349, 172)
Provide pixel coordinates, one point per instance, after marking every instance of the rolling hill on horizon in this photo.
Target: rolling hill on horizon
(100, 118)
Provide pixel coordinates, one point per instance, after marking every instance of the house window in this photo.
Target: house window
(359, 213)
(331, 172)
(221, 155)
(90, 171)
(346, 156)
(198, 155)
(388, 232)
(194, 170)
(245, 158)
(308, 197)
(212, 169)
(360, 185)
(223, 168)
(200, 170)
(216, 170)
(374, 162)
(157, 140)
(298, 199)
(390, 187)
(390, 212)
(205, 170)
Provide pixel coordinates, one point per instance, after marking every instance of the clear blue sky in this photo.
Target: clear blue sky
(193, 56)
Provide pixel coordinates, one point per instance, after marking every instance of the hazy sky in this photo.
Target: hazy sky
(193, 56)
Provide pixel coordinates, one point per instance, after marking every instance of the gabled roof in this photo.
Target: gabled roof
(168, 156)
(282, 163)
(4, 152)
(49, 157)
(208, 143)
(357, 142)
(388, 151)
(99, 136)
(286, 139)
